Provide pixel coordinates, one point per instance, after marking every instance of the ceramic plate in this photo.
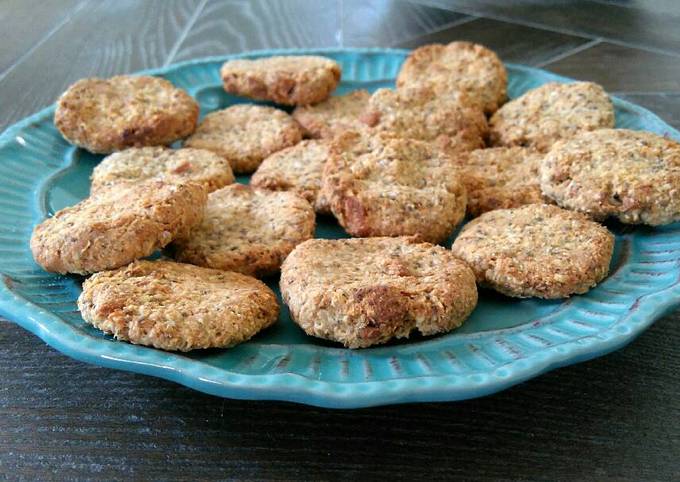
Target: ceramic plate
(504, 342)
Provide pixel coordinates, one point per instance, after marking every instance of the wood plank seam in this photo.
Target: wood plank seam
(441, 28)
(569, 53)
(340, 34)
(566, 31)
(185, 32)
(44, 39)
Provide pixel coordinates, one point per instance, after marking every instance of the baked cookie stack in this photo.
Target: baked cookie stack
(399, 169)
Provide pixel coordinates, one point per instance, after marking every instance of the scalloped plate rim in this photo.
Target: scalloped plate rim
(296, 388)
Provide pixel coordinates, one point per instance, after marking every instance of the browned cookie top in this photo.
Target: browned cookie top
(298, 169)
(536, 250)
(106, 115)
(247, 230)
(378, 185)
(458, 66)
(633, 176)
(551, 112)
(245, 134)
(363, 292)
(182, 165)
(290, 80)
(116, 226)
(501, 177)
(174, 306)
(332, 116)
(450, 123)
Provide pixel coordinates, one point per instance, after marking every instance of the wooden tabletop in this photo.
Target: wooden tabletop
(613, 418)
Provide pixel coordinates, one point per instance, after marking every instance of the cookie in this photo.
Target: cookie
(289, 80)
(180, 165)
(297, 169)
(379, 185)
(458, 66)
(450, 123)
(177, 307)
(245, 134)
(107, 115)
(549, 113)
(247, 230)
(116, 226)
(364, 292)
(333, 116)
(501, 177)
(633, 176)
(536, 250)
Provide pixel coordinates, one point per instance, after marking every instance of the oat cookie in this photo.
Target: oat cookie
(549, 113)
(418, 113)
(633, 176)
(536, 250)
(245, 134)
(290, 80)
(107, 115)
(501, 177)
(332, 116)
(458, 66)
(379, 185)
(181, 165)
(247, 230)
(297, 169)
(363, 292)
(175, 306)
(116, 226)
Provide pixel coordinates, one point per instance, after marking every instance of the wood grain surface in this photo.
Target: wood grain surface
(613, 418)
(100, 39)
(237, 26)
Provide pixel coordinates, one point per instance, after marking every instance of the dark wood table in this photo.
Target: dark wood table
(614, 418)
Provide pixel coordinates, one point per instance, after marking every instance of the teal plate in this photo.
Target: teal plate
(505, 341)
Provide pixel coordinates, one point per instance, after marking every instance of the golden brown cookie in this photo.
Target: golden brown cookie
(247, 230)
(245, 134)
(451, 123)
(290, 80)
(536, 250)
(379, 185)
(549, 113)
(633, 176)
(501, 177)
(107, 115)
(364, 292)
(180, 165)
(297, 169)
(175, 306)
(458, 66)
(116, 226)
(332, 116)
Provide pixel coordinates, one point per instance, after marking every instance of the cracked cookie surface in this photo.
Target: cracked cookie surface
(500, 178)
(248, 230)
(333, 116)
(289, 80)
(245, 134)
(631, 175)
(181, 165)
(364, 292)
(178, 307)
(116, 226)
(378, 185)
(544, 115)
(297, 169)
(537, 250)
(458, 67)
(451, 123)
(107, 115)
